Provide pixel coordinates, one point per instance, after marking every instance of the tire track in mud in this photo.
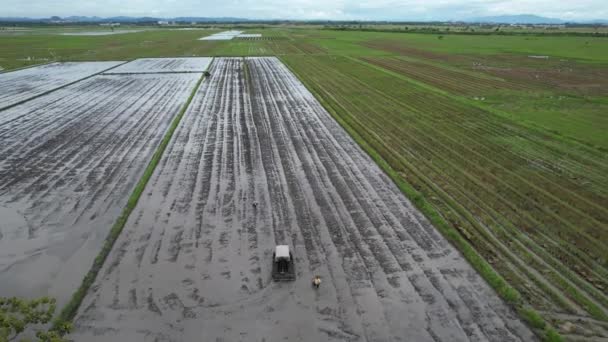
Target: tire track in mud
(257, 161)
(68, 163)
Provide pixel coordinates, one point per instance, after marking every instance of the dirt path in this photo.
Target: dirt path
(69, 160)
(193, 262)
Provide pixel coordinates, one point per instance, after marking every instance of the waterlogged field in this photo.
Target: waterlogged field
(99, 33)
(19, 86)
(225, 35)
(163, 65)
(256, 162)
(500, 140)
(69, 160)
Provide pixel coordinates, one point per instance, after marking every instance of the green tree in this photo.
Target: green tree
(17, 315)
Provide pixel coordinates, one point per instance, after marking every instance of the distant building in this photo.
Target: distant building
(163, 22)
(110, 24)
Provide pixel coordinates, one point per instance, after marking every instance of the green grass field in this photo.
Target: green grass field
(501, 140)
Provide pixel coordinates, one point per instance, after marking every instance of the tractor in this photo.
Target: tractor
(283, 265)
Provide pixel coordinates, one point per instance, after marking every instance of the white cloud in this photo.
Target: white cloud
(310, 9)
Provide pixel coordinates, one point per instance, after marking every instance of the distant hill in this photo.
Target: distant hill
(219, 19)
(517, 19)
(503, 19)
(121, 19)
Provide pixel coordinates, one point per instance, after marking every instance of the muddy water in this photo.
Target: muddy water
(163, 65)
(68, 162)
(257, 162)
(20, 85)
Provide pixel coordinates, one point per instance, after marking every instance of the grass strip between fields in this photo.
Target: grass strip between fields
(70, 310)
(4, 71)
(495, 280)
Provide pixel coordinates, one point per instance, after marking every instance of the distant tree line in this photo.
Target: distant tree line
(484, 31)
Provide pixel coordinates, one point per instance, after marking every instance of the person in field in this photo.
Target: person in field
(316, 281)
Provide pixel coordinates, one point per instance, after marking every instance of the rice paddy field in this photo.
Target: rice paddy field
(437, 178)
(69, 162)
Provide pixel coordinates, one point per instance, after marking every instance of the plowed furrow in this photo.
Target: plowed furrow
(70, 160)
(255, 162)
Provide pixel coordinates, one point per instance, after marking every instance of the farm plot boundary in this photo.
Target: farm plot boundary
(68, 312)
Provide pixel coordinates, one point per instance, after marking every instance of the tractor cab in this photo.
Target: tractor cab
(283, 266)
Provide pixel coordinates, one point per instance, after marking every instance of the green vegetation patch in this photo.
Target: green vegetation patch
(506, 209)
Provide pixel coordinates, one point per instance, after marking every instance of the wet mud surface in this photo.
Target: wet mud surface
(69, 160)
(164, 65)
(255, 162)
(21, 85)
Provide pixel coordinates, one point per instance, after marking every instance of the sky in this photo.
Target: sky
(310, 9)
